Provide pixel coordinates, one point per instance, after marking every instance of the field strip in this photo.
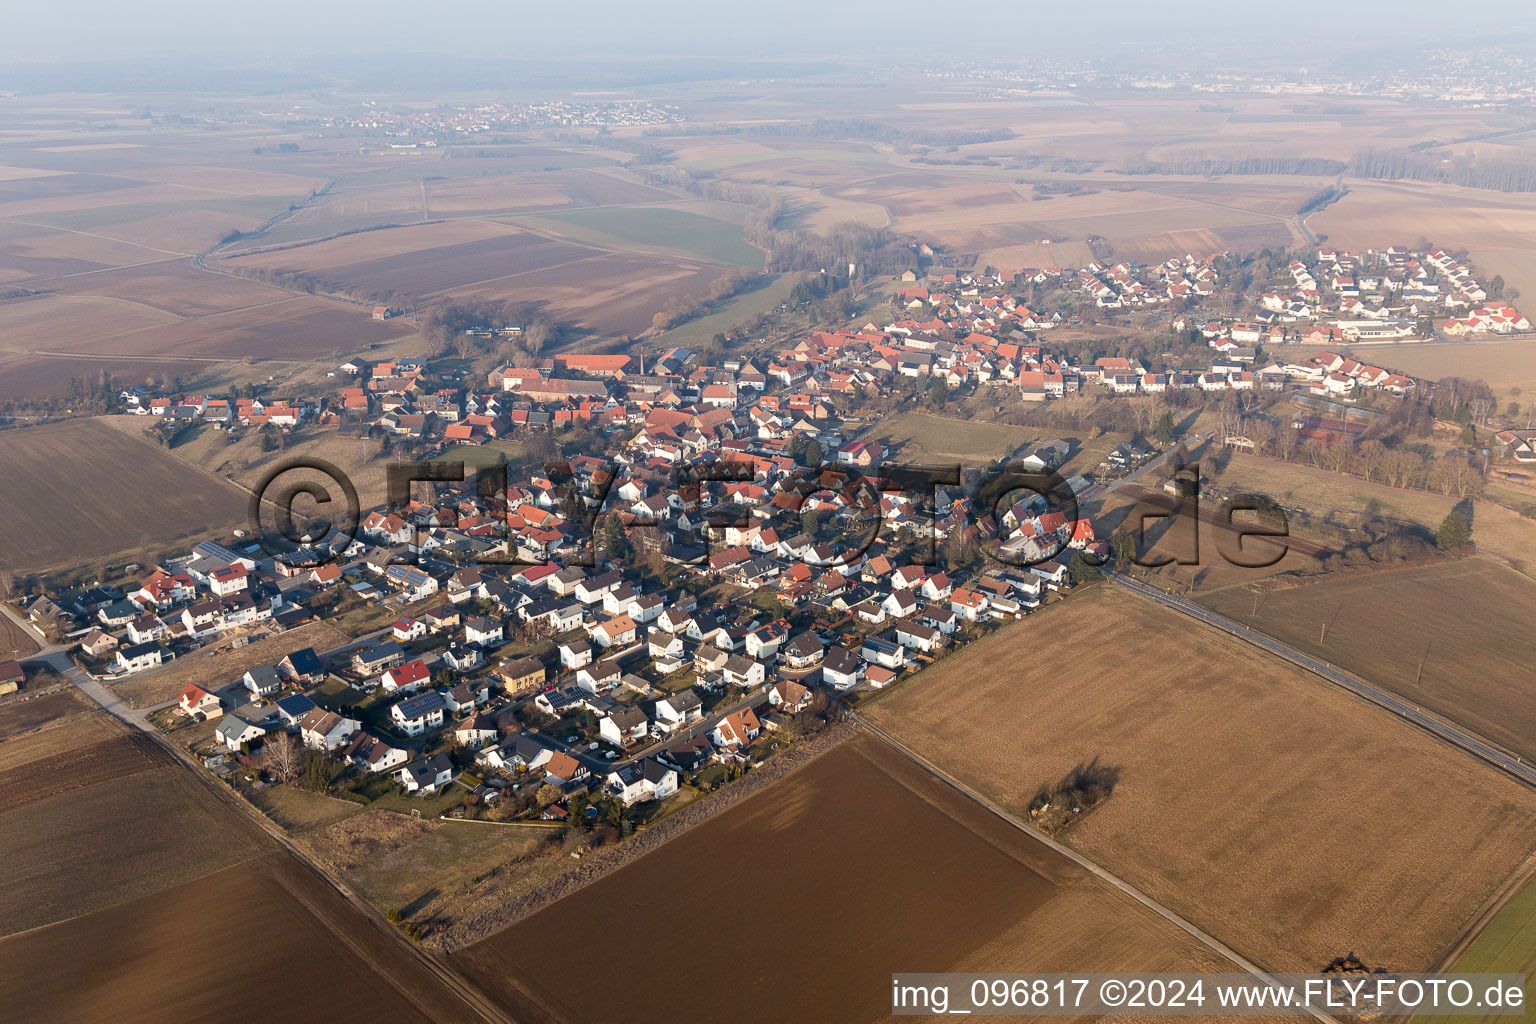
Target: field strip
(520, 273)
(1210, 941)
(108, 270)
(1512, 887)
(103, 357)
(1409, 712)
(92, 234)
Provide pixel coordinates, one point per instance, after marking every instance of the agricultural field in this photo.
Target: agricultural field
(77, 491)
(1497, 228)
(91, 847)
(35, 722)
(601, 289)
(156, 686)
(66, 771)
(1508, 365)
(911, 436)
(15, 642)
(1287, 818)
(852, 805)
(658, 227)
(1438, 634)
(424, 272)
(125, 868)
(168, 954)
(1505, 945)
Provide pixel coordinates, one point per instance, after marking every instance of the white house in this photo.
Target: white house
(427, 774)
(415, 715)
(645, 780)
(234, 731)
(678, 710)
(624, 726)
(138, 657)
(325, 730)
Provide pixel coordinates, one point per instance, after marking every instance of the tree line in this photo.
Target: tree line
(1498, 173)
(1205, 166)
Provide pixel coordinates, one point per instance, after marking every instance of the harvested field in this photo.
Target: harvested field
(15, 642)
(912, 436)
(853, 805)
(363, 246)
(1491, 224)
(70, 730)
(1290, 820)
(659, 227)
(1440, 635)
(446, 268)
(302, 953)
(527, 191)
(53, 321)
(78, 491)
(615, 293)
(64, 772)
(118, 840)
(1504, 364)
(175, 287)
(209, 667)
(1146, 223)
(19, 717)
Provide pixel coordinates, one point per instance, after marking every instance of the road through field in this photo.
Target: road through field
(1466, 741)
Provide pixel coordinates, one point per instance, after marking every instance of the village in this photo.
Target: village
(722, 562)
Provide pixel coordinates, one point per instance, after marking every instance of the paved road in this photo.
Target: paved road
(1406, 710)
(1205, 939)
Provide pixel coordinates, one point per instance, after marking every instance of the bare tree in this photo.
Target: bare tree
(282, 756)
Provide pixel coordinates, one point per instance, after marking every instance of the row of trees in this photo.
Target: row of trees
(681, 308)
(1236, 165)
(1500, 173)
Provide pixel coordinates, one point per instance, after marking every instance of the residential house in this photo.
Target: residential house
(648, 779)
(415, 715)
(736, 730)
(427, 774)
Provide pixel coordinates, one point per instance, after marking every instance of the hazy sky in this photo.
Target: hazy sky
(110, 28)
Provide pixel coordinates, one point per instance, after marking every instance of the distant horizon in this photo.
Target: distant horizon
(89, 31)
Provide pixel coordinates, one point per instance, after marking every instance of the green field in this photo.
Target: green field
(480, 456)
(738, 309)
(655, 227)
(1506, 946)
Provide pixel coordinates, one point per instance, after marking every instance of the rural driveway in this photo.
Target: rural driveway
(1473, 745)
